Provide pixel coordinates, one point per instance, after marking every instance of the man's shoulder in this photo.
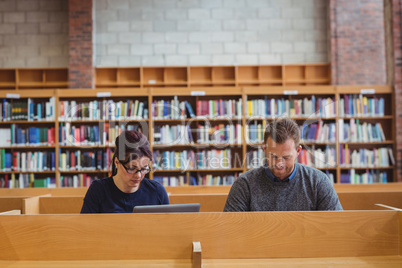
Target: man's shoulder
(252, 174)
(312, 174)
(311, 170)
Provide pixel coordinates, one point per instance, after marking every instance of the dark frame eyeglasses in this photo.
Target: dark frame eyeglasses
(143, 171)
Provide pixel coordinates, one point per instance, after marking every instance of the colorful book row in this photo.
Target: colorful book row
(219, 134)
(369, 176)
(220, 108)
(269, 108)
(102, 134)
(188, 160)
(26, 180)
(318, 132)
(83, 160)
(380, 157)
(27, 110)
(356, 132)
(361, 105)
(103, 110)
(171, 135)
(79, 180)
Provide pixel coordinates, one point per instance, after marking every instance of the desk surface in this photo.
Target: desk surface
(344, 262)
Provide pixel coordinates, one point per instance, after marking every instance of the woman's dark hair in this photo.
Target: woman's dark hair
(130, 145)
(282, 129)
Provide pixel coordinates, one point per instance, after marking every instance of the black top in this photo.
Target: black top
(103, 196)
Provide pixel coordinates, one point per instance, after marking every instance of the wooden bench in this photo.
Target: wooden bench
(253, 237)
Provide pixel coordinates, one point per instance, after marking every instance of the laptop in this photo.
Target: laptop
(176, 208)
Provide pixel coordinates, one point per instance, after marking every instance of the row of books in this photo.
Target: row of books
(26, 180)
(356, 132)
(318, 158)
(28, 136)
(171, 135)
(219, 134)
(78, 180)
(171, 160)
(103, 110)
(102, 134)
(255, 132)
(360, 105)
(187, 159)
(269, 108)
(181, 134)
(255, 158)
(318, 132)
(83, 160)
(377, 157)
(172, 109)
(369, 176)
(220, 108)
(180, 180)
(27, 110)
(33, 161)
(209, 179)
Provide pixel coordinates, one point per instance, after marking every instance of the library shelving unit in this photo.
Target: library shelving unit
(194, 113)
(33, 78)
(28, 138)
(374, 136)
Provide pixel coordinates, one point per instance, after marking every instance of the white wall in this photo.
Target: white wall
(210, 32)
(33, 33)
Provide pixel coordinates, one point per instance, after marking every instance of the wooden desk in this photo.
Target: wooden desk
(337, 262)
(249, 235)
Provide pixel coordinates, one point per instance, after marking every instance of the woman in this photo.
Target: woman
(127, 187)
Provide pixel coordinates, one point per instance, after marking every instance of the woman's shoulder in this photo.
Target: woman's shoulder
(153, 185)
(101, 183)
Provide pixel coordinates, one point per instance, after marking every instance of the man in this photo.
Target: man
(282, 184)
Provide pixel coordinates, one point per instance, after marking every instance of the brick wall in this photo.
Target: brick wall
(357, 42)
(81, 73)
(397, 61)
(33, 33)
(210, 32)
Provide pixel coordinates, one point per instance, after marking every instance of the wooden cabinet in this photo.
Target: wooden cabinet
(35, 78)
(193, 76)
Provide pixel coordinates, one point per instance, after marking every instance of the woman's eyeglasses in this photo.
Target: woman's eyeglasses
(131, 170)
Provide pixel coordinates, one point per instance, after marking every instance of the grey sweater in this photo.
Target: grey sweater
(309, 189)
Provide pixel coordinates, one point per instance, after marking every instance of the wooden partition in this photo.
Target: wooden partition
(209, 202)
(368, 200)
(69, 191)
(11, 212)
(60, 204)
(11, 203)
(222, 235)
(216, 202)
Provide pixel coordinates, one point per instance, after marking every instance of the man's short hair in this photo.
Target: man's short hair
(282, 129)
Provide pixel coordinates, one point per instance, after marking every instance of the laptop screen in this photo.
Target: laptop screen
(176, 208)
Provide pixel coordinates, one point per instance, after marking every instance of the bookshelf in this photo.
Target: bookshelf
(231, 105)
(216, 76)
(28, 146)
(33, 78)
